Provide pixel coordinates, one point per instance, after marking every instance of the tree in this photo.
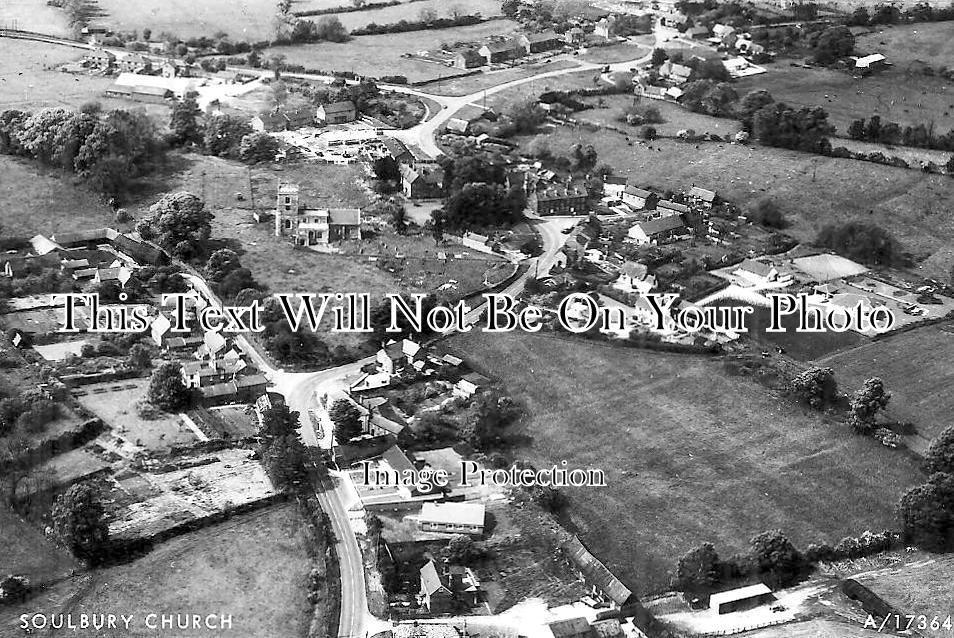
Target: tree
(14, 588)
(176, 218)
(926, 513)
(803, 129)
(509, 8)
(38, 133)
(166, 390)
(583, 156)
(751, 103)
(865, 404)
(184, 124)
(279, 420)
(463, 550)
(235, 282)
(863, 242)
(330, 28)
(710, 97)
(949, 166)
(834, 43)
(940, 455)
(79, 522)
(285, 460)
(856, 130)
(123, 145)
(347, 419)
(859, 17)
(816, 386)
(139, 357)
(11, 126)
(658, 57)
(697, 572)
(223, 135)
(222, 262)
(777, 557)
(766, 212)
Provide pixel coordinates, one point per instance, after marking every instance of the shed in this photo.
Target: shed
(740, 599)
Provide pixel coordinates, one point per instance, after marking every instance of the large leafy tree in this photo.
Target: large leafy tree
(833, 44)
(166, 389)
(258, 147)
(79, 521)
(926, 513)
(802, 129)
(175, 219)
(223, 135)
(698, 570)
(347, 419)
(815, 386)
(11, 125)
(940, 456)
(865, 405)
(777, 557)
(38, 133)
(221, 263)
(184, 123)
(278, 421)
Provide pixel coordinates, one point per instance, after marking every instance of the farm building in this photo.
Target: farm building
(540, 42)
(613, 186)
(702, 197)
(666, 207)
(870, 63)
(135, 63)
(469, 384)
(595, 574)
(556, 201)
(570, 628)
(337, 112)
(99, 59)
(658, 230)
(422, 183)
(452, 518)
(740, 599)
(639, 198)
(503, 51)
(468, 59)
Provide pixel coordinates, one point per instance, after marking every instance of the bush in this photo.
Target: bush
(862, 241)
(767, 213)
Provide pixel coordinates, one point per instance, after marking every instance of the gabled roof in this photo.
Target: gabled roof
(457, 124)
(742, 593)
(755, 267)
(500, 46)
(457, 513)
(595, 573)
(345, 106)
(430, 580)
(475, 378)
(665, 204)
(702, 193)
(638, 192)
(395, 457)
(345, 216)
(569, 628)
(544, 36)
(661, 225)
(42, 245)
(615, 179)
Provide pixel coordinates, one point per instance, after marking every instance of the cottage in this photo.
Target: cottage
(99, 59)
(397, 150)
(757, 272)
(242, 390)
(422, 183)
(608, 628)
(457, 125)
(606, 27)
(281, 120)
(468, 59)
(452, 518)
(558, 201)
(313, 226)
(666, 207)
(570, 628)
(139, 250)
(675, 73)
(635, 277)
(501, 51)
(470, 384)
(650, 91)
(176, 69)
(659, 230)
(870, 63)
(702, 197)
(476, 241)
(639, 198)
(722, 30)
(135, 63)
(595, 574)
(574, 36)
(613, 186)
(740, 599)
(697, 32)
(434, 596)
(337, 112)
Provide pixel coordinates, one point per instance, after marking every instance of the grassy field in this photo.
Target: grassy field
(675, 118)
(615, 53)
(690, 453)
(27, 552)
(38, 200)
(915, 366)
(478, 82)
(381, 54)
(33, 15)
(502, 101)
(900, 94)
(924, 588)
(254, 567)
(811, 190)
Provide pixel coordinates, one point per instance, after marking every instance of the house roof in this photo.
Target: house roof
(702, 193)
(456, 513)
(759, 268)
(395, 147)
(634, 269)
(480, 239)
(595, 572)
(638, 192)
(430, 580)
(615, 179)
(742, 593)
(397, 459)
(569, 628)
(475, 378)
(345, 106)
(868, 60)
(452, 360)
(251, 381)
(42, 245)
(661, 225)
(457, 124)
(668, 205)
(345, 216)
(544, 36)
(85, 236)
(607, 628)
(469, 54)
(500, 46)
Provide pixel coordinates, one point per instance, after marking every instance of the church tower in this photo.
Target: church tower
(286, 209)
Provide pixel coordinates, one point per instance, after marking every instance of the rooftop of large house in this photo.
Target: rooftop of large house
(430, 580)
(755, 267)
(569, 628)
(703, 194)
(665, 204)
(661, 225)
(344, 106)
(457, 513)
(501, 45)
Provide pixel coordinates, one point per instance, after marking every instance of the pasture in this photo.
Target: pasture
(916, 369)
(811, 190)
(690, 453)
(253, 566)
(377, 55)
(33, 15)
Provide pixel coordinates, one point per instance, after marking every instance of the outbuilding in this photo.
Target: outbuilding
(740, 599)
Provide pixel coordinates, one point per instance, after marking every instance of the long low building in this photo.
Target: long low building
(452, 518)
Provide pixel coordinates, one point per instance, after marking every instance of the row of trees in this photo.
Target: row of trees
(108, 149)
(223, 136)
(884, 132)
(926, 511)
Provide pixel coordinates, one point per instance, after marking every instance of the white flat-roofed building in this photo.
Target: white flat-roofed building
(739, 599)
(452, 518)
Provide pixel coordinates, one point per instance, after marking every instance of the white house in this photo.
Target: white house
(635, 277)
(470, 384)
(613, 186)
(638, 198)
(452, 518)
(658, 230)
(761, 273)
